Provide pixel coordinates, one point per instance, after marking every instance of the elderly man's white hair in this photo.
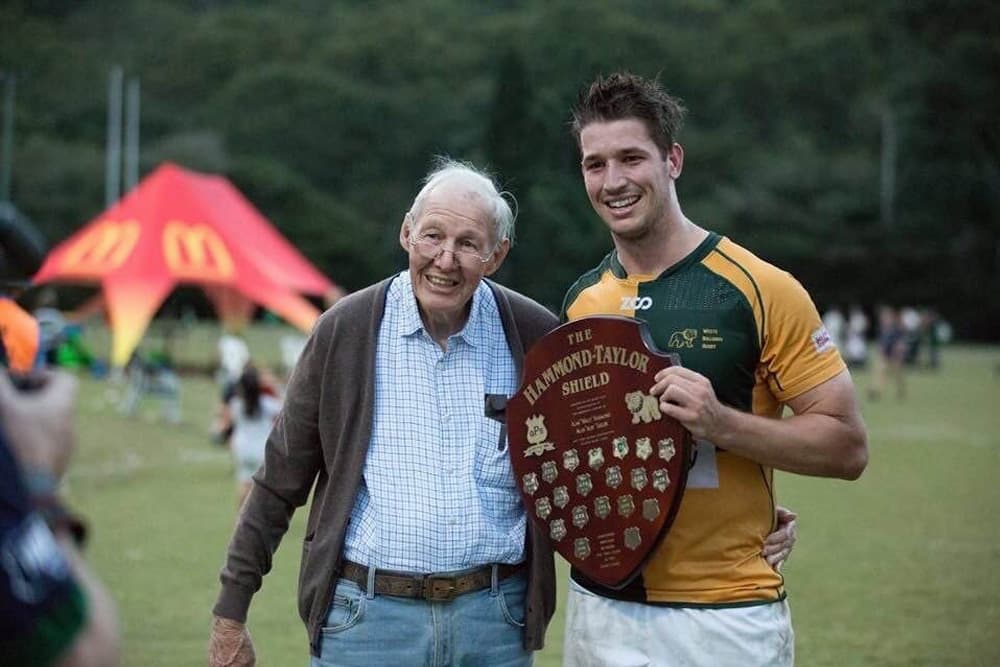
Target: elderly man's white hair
(447, 169)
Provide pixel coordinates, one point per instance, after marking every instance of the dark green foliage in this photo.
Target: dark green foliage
(854, 145)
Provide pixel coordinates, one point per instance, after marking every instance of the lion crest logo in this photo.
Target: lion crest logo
(644, 407)
(536, 435)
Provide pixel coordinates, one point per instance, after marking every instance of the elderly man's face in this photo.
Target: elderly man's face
(451, 245)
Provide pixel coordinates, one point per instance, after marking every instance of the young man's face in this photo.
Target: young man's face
(628, 181)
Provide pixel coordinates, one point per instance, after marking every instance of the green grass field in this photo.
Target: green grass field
(899, 568)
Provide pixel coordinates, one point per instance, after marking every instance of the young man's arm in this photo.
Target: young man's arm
(824, 437)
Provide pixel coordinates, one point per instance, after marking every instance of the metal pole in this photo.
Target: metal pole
(887, 184)
(131, 134)
(7, 151)
(113, 164)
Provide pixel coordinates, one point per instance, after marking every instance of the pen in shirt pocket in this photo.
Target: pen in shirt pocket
(496, 408)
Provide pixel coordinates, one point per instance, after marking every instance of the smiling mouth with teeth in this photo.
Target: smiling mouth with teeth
(623, 203)
(440, 282)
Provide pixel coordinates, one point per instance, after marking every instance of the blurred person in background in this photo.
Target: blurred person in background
(51, 324)
(892, 348)
(856, 341)
(248, 417)
(910, 321)
(53, 609)
(936, 333)
(233, 356)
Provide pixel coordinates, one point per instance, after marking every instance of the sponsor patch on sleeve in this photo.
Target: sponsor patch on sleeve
(821, 340)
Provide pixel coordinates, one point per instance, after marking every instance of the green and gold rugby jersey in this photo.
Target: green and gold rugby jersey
(752, 330)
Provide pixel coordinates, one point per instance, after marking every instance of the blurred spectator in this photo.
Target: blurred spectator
(53, 609)
(910, 320)
(855, 350)
(249, 416)
(151, 374)
(936, 332)
(51, 324)
(234, 354)
(892, 344)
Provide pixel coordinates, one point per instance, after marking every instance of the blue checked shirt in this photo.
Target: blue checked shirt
(438, 491)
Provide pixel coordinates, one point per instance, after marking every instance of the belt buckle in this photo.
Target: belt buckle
(439, 588)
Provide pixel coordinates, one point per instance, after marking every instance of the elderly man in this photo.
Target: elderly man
(417, 548)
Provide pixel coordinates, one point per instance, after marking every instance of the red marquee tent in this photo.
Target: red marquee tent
(181, 227)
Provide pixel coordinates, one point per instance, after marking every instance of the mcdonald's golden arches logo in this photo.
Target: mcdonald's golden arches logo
(195, 251)
(105, 246)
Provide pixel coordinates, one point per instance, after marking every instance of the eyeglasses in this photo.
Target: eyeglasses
(466, 251)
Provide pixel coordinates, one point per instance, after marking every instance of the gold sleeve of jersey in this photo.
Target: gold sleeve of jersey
(797, 352)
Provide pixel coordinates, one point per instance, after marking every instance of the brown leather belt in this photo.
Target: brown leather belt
(437, 587)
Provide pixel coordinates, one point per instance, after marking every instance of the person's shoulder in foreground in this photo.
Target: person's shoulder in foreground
(53, 610)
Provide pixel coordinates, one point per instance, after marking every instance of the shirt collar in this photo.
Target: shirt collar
(409, 322)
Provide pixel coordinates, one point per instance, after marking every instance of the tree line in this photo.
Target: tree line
(853, 143)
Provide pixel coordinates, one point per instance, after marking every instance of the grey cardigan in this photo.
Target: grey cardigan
(322, 436)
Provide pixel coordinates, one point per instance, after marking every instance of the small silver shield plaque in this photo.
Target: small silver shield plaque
(602, 506)
(543, 508)
(632, 538)
(626, 505)
(667, 450)
(549, 471)
(650, 509)
(639, 478)
(530, 482)
(595, 457)
(643, 448)
(571, 460)
(661, 479)
(619, 447)
(557, 529)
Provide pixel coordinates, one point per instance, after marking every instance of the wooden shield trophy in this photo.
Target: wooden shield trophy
(599, 467)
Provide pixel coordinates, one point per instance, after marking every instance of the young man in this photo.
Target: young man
(751, 342)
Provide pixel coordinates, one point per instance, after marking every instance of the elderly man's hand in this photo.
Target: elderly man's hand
(778, 545)
(230, 645)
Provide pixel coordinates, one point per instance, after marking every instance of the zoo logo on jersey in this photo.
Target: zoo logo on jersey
(636, 303)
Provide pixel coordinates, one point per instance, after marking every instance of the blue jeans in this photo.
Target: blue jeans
(481, 628)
